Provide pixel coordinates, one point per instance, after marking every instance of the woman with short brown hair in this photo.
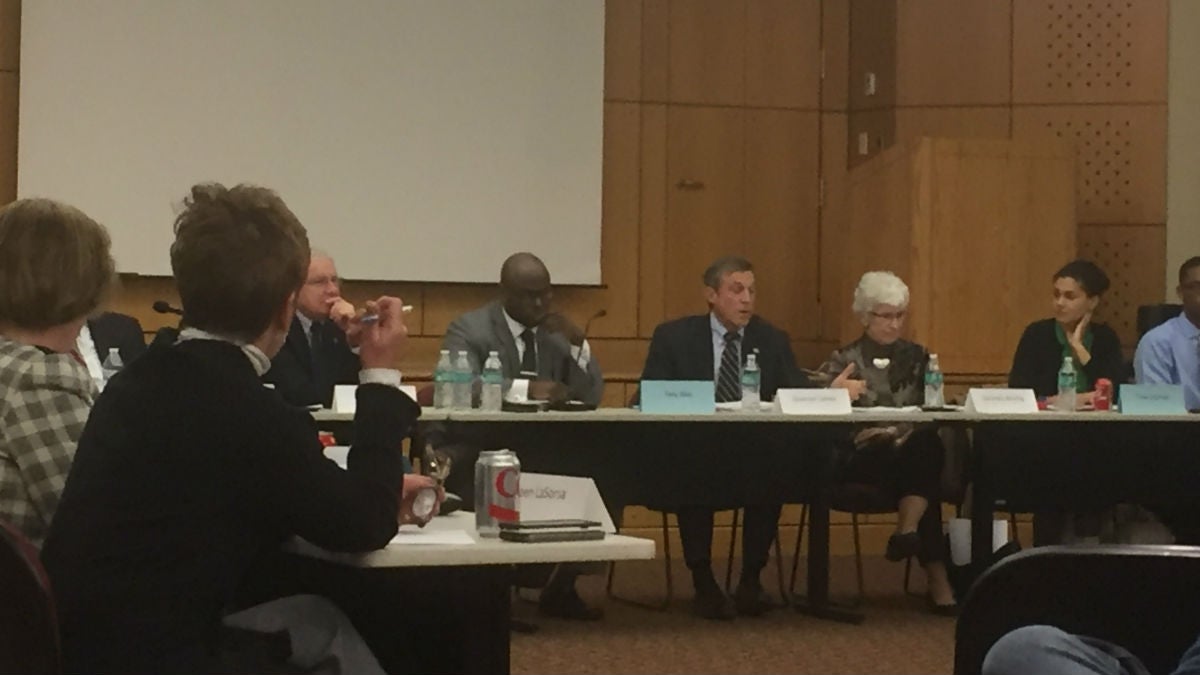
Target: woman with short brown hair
(56, 270)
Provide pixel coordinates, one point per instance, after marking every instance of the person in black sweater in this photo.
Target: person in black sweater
(1095, 348)
(190, 471)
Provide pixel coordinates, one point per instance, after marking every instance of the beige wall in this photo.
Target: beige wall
(1183, 141)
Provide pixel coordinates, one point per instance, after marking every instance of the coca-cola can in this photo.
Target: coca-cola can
(497, 491)
(1102, 399)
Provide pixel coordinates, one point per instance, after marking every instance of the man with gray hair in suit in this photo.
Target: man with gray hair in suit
(550, 351)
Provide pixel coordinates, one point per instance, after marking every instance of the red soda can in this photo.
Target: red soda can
(326, 438)
(1102, 399)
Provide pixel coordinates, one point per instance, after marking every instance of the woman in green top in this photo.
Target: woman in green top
(1094, 348)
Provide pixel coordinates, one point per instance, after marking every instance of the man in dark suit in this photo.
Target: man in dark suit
(530, 339)
(190, 472)
(317, 354)
(106, 331)
(714, 346)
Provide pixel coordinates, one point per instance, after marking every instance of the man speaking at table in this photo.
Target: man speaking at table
(714, 346)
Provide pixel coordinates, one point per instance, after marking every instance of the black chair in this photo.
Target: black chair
(1150, 316)
(1144, 598)
(29, 641)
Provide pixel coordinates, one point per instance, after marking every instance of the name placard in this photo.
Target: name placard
(679, 397)
(547, 497)
(987, 401)
(345, 400)
(812, 401)
(1152, 399)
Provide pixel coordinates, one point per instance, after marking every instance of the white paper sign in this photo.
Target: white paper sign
(345, 401)
(518, 392)
(343, 398)
(987, 401)
(812, 401)
(547, 497)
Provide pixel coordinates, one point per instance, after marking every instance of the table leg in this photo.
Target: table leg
(817, 602)
(983, 504)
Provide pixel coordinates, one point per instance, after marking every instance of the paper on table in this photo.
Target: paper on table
(889, 409)
(411, 534)
(736, 406)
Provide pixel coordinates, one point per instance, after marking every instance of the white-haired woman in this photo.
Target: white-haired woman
(882, 369)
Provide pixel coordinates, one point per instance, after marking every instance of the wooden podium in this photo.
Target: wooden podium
(976, 228)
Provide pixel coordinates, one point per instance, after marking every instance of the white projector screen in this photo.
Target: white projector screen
(417, 140)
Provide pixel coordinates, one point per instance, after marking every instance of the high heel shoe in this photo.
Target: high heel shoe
(902, 545)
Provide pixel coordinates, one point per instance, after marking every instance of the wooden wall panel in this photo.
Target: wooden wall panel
(835, 41)
(780, 225)
(652, 264)
(135, 296)
(1121, 157)
(705, 198)
(621, 359)
(872, 50)
(10, 35)
(707, 47)
(8, 136)
(619, 228)
(982, 122)
(623, 50)
(1134, 257)
(655, 57)
(783, 44)
(833, 294)
(1088, 51)
(443, 303)
(880, 129)
(977, 34)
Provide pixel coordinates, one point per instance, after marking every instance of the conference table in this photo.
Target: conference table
(484, 564)
(1022, 462)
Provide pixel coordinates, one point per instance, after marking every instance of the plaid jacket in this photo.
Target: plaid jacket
(46, 400)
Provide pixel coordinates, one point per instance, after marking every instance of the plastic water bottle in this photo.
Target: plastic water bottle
(443, 380)
(1067, 381)
(112, 364)
(751, 381)
(464, 377)
(935, 396)
(492, 396)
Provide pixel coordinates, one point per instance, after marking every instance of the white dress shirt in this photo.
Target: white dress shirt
(581, 355)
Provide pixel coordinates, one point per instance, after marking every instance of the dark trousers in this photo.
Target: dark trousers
(914, 468)
(760, 526)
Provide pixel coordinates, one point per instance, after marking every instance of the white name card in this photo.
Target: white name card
(345, 401)
(547, 497)
(987, 401)
(518, 392)
(812, 401)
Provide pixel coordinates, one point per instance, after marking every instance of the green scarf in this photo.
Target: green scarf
(1083, 383)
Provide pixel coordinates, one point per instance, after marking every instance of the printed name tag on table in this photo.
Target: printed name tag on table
(345, 400)
(813, 401)
(1152, 399)
(679, 397)
(989, 401)
(546, 497)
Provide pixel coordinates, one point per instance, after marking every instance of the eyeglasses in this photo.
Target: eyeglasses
(888, 316)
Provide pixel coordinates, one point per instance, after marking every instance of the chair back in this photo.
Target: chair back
(1144, 598)
(29, 641)
(1150, 316)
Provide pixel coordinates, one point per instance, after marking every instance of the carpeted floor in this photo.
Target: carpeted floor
(898, 635)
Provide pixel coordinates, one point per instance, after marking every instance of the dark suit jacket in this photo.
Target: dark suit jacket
(1039, 356)
(188, 472)
(292, 368)
(683, 350)
(485, 329)
(117, 330)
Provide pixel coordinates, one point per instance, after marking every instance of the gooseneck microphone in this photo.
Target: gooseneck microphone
(601, 313)
(163, 307)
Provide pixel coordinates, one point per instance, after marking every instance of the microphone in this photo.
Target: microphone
(587, 325)
(163, 307)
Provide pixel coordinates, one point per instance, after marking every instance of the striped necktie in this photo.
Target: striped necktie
(729, 378)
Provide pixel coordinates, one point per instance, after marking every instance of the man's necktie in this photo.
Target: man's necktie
(729, 377)
(529, 359)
